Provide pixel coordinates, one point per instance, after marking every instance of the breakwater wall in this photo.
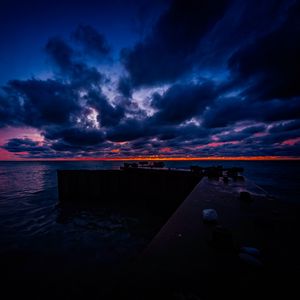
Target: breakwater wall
(158, 190)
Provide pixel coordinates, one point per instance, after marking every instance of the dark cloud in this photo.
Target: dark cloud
(41, 103)
(107, 114)
(23, 145)
(60, 52)
(285, 126)
(227, 111)
(92, 40)
(276, 110)
(271, 64)
(229, 71)
(242, 24)
(9, 111)
(172, 134)
(128, 130)
(268, 144)
(77, 136)
(149, 130)
(124, 87)
(242, 134)
(27, 148)
(182, 102)
(68, 109)
(64, 57)
(166, 53)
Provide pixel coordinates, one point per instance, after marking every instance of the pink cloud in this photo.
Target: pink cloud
(217, 144)
(166, 150)
(291, 142)
(8, 133)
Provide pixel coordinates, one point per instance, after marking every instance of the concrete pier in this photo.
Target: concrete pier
(185, 256)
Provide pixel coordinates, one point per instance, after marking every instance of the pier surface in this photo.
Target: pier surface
(184, 257)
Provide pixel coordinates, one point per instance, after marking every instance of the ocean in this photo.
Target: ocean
(37, 234)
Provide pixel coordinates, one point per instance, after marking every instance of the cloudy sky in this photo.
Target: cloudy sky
(98, 79)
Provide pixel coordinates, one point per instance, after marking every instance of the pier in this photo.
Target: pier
(187, 253)
(207, 258)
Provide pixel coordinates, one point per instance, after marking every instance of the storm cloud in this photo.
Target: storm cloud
(270, 64)
(207, 78)
(167, 52)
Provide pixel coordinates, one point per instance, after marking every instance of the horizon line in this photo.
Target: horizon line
(161, 158)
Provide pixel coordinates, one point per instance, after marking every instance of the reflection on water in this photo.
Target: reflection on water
(21, 180)
(26, 204)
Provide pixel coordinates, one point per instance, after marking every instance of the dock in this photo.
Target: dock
(188, 254)
(195, 257)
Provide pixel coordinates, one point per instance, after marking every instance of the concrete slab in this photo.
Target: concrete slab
(183, 252)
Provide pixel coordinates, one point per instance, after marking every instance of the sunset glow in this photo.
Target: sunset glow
(166, 158)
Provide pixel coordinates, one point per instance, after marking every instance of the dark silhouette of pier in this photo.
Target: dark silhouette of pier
(157, 190)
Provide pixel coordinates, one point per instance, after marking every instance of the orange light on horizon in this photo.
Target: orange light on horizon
(166, 158)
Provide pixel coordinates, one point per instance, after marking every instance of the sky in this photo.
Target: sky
(140, 78)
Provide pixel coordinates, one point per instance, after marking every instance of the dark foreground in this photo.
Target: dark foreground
(183, 261)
